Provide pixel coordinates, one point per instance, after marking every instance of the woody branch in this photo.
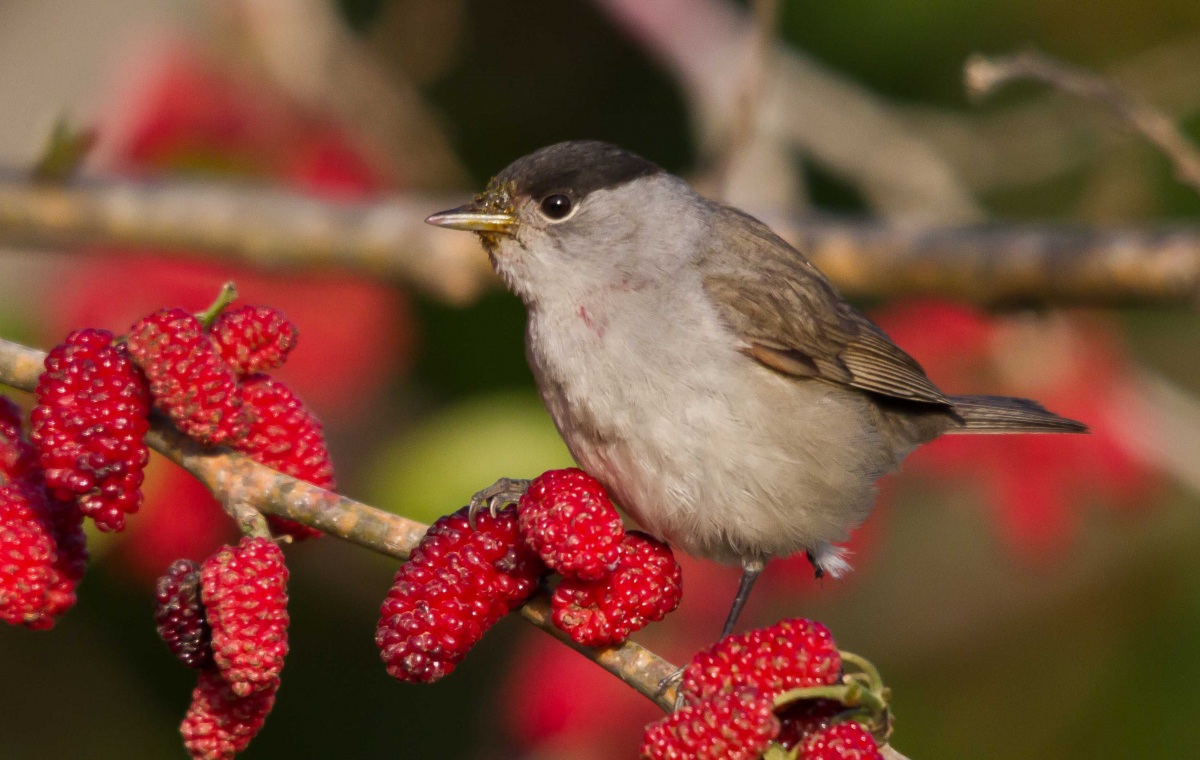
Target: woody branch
(997, 264)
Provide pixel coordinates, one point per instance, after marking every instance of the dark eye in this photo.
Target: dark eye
(556, 206)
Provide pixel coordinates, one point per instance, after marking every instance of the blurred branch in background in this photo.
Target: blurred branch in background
(1047, 136)
(985, 75)
(1008, 264)
(806, 107)
(305, 47)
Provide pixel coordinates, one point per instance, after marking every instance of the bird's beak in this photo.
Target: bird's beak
(473, 217)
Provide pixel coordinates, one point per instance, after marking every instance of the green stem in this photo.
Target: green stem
(867, 667)
(227, 296)
(851, 695)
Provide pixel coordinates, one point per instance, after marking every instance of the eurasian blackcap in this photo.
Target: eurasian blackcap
(701, 368)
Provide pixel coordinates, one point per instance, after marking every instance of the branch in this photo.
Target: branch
(985, 75)
(849, 131)
(1031, 264)
(240, 482)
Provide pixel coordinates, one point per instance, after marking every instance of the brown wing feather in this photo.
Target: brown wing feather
(792, 320)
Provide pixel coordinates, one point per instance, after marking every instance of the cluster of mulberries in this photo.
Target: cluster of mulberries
(467, 574)
(730, 690)
(209, 381)
(614, 582)
(95, 397)
(43, 552)
(227, 618)
(456, 585)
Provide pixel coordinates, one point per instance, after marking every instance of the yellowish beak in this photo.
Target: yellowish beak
(472, 218)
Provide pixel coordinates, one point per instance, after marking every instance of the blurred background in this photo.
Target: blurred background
(1024, 597)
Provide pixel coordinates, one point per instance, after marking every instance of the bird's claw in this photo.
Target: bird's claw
(495, 497)
(672, 682)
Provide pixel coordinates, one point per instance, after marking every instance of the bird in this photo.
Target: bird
(732, 402)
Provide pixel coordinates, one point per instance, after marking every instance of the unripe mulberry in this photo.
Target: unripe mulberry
(791, 654)
(736, 726)
(646, 585)
(189, 380)
(88, 426)
(253, 339)
(220, 723)
(288, 437)
(244, 590)
(179, 614)
(568, 519)
(456, 585)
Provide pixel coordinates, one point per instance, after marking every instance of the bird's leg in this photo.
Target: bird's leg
(750, 571)
(497, 495)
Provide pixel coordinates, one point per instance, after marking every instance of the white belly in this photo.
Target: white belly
(699, 444)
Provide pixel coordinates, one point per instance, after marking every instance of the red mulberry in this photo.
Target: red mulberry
(91, 416)
(253, 339)
(568, 519)
(285, 435)
(219, 723)
(458, 583)
(791, 654)
(646, 585)
(244, 590)
(735, 726)
(189, 380)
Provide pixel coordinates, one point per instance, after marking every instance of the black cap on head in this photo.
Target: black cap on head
(578, 166)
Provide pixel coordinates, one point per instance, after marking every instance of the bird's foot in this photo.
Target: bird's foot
(672, 682)
(495, 497)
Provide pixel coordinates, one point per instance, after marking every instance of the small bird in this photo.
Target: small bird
(701, 368)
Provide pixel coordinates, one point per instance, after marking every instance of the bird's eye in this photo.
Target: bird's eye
(556, 206)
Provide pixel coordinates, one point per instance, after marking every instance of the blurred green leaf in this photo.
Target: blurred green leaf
(436, 468)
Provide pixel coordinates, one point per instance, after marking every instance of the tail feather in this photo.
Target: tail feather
(1002, 414)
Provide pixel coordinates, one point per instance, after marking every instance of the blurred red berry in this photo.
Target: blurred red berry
(567, 518)
(188, 113)
(42, 555)
(88, 426)
(288, 437)
(179, 615)
(841, 741)
(253, 339)
(1037, 485)
(791, 654)
(736, 726)
(188, 379)
(17, 456)
(458, 583)
(646, 585)
(244, 591)
(220, 723)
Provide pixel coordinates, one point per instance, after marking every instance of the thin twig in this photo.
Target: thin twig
(985, 75)
(1029, 264)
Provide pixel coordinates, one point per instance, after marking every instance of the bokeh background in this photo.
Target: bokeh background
(1035, 598)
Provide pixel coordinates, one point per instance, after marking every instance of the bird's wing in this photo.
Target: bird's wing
(788, 316)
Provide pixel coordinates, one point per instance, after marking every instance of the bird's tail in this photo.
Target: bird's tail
(1002, 414)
